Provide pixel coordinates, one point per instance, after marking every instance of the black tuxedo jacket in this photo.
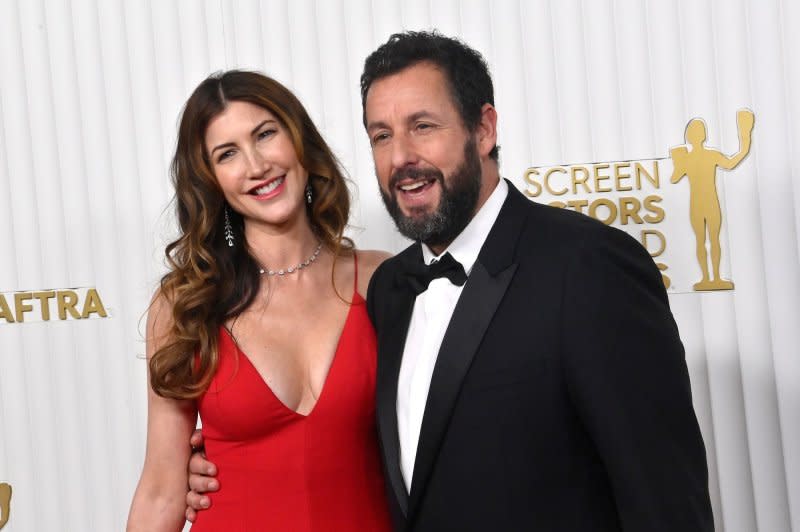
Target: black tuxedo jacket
(560, 399)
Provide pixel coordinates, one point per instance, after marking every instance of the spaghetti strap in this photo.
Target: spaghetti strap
(355, 271)
(333, 482)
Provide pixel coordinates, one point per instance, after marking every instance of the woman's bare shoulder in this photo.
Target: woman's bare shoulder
(368, 262)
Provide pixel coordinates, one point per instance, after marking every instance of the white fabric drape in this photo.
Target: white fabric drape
(90, 94)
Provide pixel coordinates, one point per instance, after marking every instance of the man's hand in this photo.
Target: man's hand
(201, 478)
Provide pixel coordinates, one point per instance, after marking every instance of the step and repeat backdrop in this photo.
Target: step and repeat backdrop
(677, 121)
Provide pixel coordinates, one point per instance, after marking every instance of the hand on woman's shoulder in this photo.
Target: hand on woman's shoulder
(368, 262)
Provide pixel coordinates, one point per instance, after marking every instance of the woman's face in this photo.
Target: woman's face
(254, 160)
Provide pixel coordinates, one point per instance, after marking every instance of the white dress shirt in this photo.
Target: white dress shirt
(433, 309)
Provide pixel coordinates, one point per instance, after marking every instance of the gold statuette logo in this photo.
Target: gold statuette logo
(680, 225)
(5, 503)
(700, 165)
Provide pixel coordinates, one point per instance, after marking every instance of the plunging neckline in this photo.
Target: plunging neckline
(356, 300)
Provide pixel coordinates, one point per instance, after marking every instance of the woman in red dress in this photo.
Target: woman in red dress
(260, 327)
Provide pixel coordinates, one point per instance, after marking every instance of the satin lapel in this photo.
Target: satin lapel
(485, 288)
(391, 342)
(471, 317)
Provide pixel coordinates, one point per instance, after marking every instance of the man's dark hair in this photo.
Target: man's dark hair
(464, 69)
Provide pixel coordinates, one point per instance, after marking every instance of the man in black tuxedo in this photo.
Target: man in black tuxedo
(532, 377)
(547, 392)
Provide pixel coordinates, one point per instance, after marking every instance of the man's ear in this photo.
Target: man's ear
(486, 131)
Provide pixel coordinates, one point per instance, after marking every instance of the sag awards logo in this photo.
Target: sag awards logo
(5, 503)
(651, 200)
(47, 305)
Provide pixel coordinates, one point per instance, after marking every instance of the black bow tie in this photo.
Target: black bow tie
(419, 276)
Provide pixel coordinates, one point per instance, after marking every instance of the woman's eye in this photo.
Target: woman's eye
(266, 133)
(225, 155)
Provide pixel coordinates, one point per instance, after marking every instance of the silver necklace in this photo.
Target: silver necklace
(291, 269)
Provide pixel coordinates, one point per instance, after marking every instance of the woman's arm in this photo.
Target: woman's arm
(158, 504)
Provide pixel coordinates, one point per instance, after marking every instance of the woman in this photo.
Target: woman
(260, 326)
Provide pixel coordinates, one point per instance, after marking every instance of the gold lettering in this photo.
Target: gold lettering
(20, 306)
(578, 205)
(5, 312)
(661, 241)
(652, 178)
(67, 300)
(629, 208)
(651, 204)
(44, 301)
(574, 170)
(598, 177)
(619, 176)
(547, 175)
(607, 203)
(559, 204)
(531, 180)
(93, 304)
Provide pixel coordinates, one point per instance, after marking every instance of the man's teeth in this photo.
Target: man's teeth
(269, 187)
(413, 186)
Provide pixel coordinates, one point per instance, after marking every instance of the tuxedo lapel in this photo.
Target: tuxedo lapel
(487, 284)
(398, 304)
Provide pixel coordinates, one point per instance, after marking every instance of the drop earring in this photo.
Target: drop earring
(228, 228)
(308, 193)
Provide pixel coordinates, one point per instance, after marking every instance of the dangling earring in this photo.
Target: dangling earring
(308, 193)
(228, 228)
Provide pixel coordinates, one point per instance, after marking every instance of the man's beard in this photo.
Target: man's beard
(456, 204)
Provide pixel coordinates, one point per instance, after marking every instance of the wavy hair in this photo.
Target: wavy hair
(209, 282)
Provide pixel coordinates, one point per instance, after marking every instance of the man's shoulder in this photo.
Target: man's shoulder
(566, 232)
(585, 250)
(550, 218)
(565, 223)
(383, 278)
(392, 263)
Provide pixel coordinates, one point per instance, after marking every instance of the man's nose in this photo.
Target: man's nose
(403, 152)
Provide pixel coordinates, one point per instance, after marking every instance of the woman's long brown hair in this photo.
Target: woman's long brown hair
(209, 282)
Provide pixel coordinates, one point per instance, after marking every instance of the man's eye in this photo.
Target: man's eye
(379, 138)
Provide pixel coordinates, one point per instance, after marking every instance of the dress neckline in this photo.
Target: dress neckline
(357, 300)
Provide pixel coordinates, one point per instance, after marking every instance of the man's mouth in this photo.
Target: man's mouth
(417, 186)
(268, 187)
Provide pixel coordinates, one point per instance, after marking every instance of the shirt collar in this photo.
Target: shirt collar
(467, 245)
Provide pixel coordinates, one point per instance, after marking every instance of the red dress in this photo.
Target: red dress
(280, 470)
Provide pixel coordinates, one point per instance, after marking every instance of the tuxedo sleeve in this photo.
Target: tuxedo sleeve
(626, 374)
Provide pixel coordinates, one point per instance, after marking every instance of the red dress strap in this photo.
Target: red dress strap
(355, 271)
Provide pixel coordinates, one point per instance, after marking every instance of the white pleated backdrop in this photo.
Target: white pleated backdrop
(90, 93)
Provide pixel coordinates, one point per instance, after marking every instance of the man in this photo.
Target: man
(540, 384)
